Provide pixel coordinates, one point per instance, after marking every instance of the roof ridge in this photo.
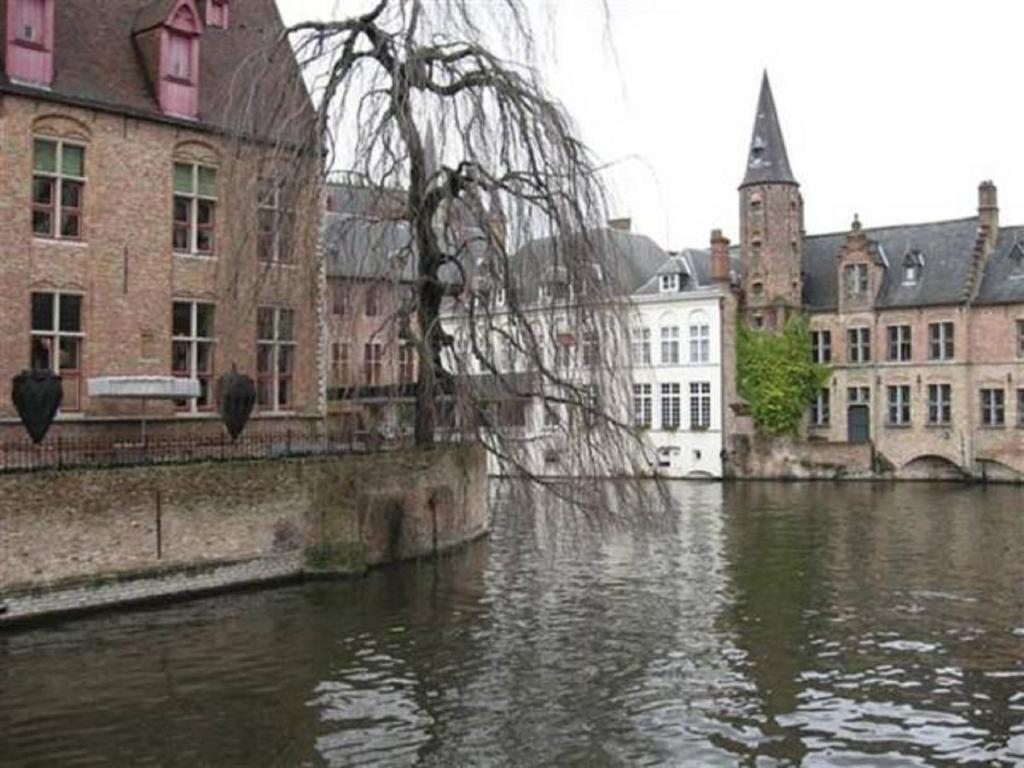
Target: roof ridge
(868, 230)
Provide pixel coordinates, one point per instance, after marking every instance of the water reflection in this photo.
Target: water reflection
(767, 624)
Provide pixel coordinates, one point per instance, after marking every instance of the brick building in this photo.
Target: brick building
(139, 233)
(921, 324)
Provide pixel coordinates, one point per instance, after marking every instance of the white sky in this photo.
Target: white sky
(894, 109)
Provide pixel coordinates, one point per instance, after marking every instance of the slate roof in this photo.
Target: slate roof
(358, 247)
(1003, 281)
(945, 249)
(635, 258)
(767, 160)
(98, 65)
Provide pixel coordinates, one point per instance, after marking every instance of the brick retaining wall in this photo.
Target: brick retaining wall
(81, 539)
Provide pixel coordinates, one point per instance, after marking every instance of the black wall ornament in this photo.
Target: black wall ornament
(37, 395)
(236, 397)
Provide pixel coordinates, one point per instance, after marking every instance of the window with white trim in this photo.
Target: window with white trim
(641, 346)
(940, 341)
(855, 278)
(373, 363)
(899, 343)
(56, 341)
(993, 407)
(700, 405)
(671, 406)
(700, 343)
(58, 188)
(669, 283)
(670, 345)
(195, 201)
(820, 409)
(821, 346)
(275, 358)
(899, 405)
(642, 405)
(274, 220)
(940, 404)
(858, 345)
(406, 363)
(192, 350)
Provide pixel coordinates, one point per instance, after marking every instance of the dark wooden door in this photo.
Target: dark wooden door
(859, 424)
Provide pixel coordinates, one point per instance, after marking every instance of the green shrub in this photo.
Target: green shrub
(777, 377)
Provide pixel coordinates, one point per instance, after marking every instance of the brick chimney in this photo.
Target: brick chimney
(720, 265)
(623, 225)
(988, 213)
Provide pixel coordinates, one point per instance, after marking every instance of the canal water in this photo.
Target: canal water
(756, 624)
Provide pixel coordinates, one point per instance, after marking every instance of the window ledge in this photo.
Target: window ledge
(196, 255)
(939, 425)
(992, 427)
(889, 425)
(274, 414)
(65, 241)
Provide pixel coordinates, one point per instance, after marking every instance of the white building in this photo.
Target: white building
(671, 366)
(677, 349)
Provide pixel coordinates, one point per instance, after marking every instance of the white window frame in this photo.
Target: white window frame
(670, 283)
(700, 405)
(821, 346)
(194, 197)
(670, 345)
(858, 340)
(993, 406)
(194, 340)
(940, 405)
(641, 346)
(643, 405)
(899, 411)
(276, 344)
(899, 341)
(58, 177)
(821, 410)
(700, 343)
(671, 405)
(54, 337)
(942, 338)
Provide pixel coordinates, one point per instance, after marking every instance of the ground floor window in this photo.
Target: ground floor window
(57, 339)
(373, 362)
(192, 339)
(940, 404)
(820, 409)
(275, 358)
(899, 405)
(993, 407)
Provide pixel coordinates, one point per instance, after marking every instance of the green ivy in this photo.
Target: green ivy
(777, 377)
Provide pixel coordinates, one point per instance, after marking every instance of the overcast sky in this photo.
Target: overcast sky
(892, 109)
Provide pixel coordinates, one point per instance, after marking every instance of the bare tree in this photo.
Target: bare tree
(516, 286)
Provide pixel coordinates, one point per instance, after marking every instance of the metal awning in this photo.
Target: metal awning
(144, 387)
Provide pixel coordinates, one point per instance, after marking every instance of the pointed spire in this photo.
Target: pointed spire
(767, 161)
(430, 151)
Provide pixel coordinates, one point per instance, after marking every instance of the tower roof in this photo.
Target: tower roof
(767, 161)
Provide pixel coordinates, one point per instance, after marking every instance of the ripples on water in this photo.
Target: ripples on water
(771, 624)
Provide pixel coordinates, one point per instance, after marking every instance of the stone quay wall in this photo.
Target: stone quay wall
(72, 540)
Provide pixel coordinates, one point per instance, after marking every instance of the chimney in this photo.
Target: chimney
(623, 225)
(720, 265)
(988, 213)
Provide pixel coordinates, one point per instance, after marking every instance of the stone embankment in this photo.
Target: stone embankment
(85, 539)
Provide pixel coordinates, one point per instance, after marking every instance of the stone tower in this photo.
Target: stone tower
(771, 223)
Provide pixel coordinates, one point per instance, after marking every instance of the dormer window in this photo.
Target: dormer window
(670, 283)
(856, 280)
(1017, 259)
(29, 56)
(31, 21)
(179, 57)
(169, 47)
(913, 263)
(217, 13)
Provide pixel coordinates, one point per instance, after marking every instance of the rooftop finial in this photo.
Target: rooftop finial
(856, 223)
